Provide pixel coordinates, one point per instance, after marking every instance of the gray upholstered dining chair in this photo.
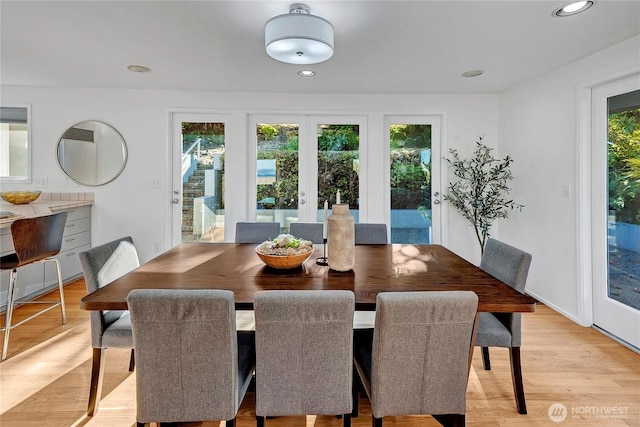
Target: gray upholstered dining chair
(256, 232)
(109, 329)
(371, 234)
(191, 363)
(416, 360)
(304, 358)
(368, 234)
(307, 230)
(511, 266)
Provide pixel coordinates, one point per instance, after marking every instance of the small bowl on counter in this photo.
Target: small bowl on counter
(20, 197)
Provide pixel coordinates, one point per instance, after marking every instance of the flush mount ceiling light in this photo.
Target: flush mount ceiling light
(299, 37)
(306, 73)
(572, 8)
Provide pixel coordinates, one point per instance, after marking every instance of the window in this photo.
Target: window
(15, 144)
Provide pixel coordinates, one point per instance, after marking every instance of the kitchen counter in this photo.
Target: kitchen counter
(46, 204)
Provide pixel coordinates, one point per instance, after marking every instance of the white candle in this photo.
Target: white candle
(324, 220)
(338, 197)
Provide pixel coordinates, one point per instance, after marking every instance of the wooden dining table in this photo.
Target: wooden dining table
(378, 268)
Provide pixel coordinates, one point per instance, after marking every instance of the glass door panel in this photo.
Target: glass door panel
(203, 182)
(277, 166)
(623, 225)
(410, 183)
(338, 163)
(303, 161)
(198, 190)
(616, 212)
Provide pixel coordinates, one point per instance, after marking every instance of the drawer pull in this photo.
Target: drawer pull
(71, 253)
(70, 225)
(70, 240)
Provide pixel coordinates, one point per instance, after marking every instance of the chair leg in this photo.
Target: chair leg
(259, 421)
(346, 420)
(63, 308)
(376, 422)
(516, 376)
(231, 422)
(95, 389)
(486, 362)
(356, 386)
(132, 362)
(451, 420)
(9, 312)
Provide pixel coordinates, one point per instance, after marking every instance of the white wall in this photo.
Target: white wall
(542, 125)
(130, 206)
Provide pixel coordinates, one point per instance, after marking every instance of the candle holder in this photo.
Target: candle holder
(323, 259)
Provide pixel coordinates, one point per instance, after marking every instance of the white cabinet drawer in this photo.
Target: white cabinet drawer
(77, 213)
(6, 244)
(77, 226)
(74, 240)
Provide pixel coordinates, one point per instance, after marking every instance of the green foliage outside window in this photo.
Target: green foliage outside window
(624, 166)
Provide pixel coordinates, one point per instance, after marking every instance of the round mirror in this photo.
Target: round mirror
(92, 153)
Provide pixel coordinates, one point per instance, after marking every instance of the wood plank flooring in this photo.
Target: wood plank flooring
(44, 381)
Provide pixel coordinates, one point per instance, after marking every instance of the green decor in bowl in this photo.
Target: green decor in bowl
(20, 197)
(285, 251)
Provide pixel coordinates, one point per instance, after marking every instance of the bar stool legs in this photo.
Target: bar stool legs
(11, 303)
(9, 313)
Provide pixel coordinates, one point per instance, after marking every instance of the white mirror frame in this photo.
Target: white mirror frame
(81, 166)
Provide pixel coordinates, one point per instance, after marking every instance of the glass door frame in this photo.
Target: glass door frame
(177, 118)
(438, 172)
(307, 157)
(613, 317)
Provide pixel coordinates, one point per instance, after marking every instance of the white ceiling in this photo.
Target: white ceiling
(406, 47)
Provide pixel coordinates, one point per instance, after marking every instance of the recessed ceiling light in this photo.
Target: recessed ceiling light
(139, 68)
(306, 73)
(572, 8)
(472, 73)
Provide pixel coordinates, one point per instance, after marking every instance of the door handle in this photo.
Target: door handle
(175, 201)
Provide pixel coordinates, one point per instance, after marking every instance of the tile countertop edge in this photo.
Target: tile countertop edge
(39, 208)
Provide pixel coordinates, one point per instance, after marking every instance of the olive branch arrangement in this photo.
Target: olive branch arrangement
(480, 192)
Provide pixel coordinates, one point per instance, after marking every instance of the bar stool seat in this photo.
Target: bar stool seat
(36, 239)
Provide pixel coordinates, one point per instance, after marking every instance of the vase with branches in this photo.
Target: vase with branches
(480, 193)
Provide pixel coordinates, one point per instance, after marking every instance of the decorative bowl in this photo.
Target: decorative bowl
(284, 262)
(20, 197)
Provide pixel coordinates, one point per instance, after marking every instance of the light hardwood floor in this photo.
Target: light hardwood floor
(44, 382)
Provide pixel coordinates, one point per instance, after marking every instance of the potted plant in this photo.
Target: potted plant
(480, 192)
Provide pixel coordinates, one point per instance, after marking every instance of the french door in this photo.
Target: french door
(414, 198)
(616, 208)
(303, 161)
(198, 202)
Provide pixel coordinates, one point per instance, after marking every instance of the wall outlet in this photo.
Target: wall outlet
(157, 247)
(42, 182)
(566, 191)
(155, 183)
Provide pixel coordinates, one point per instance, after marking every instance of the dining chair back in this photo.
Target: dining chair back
(371, 234)
(109, 329)
(304, 358)
(511, 266)
(256, 232)
(416, 360)
(311, 231)
(192, 364)
(35, 240)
